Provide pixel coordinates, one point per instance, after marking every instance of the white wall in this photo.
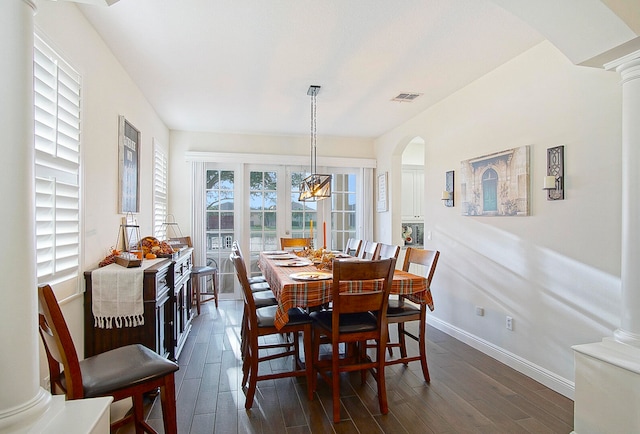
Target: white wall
(556, 272)
(107, 91)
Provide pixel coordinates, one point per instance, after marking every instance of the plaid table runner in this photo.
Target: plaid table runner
(292, 293)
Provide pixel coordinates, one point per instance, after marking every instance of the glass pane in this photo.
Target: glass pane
(255, 181)
(212, 179)
(226, 180)
(255, 201)
(226, 221)
(296, 179)
(270, 221)
(270, 180)
(213, 200)
(255, 220)
(296, 220)
(352, 182)
(270, 200)
(351, 200)
(213, 220)
(226, 199)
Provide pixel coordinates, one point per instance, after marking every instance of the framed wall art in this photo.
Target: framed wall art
(496, 184)
(129, 167)
(382, 197)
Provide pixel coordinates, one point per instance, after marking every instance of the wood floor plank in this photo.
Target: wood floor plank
(203, 423)
(226, 413)
(209, 387)
(290, 405)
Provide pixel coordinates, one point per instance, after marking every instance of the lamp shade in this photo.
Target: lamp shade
(549, 183)
(315, 187)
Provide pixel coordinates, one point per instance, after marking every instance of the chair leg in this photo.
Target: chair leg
(168, 402)
(402, 341)
(214, 280)
(138, 413)
(382, 388)
(335, 381)
(253, 371)
(308, 360)
(195, 287)
(362, 356)
(315, 354)
(422, 344)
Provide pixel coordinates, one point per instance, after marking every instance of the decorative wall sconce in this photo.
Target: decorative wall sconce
(554, 181)
(448, 193)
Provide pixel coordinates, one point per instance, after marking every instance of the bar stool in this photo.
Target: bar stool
(203, 272)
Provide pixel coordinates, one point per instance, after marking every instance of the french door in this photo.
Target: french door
(256, 205)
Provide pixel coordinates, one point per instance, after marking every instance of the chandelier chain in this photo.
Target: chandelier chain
(314, 138)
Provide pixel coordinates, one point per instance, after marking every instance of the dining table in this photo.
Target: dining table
(298, 282)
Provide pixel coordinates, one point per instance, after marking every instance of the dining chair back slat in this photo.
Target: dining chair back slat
(353, 247)
(369, 250)
(295, 243)
(388, 251)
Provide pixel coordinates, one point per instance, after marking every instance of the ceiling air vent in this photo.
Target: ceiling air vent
(406, 97)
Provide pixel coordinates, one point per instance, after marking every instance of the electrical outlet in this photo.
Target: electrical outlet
(509, 323)
(479, 311)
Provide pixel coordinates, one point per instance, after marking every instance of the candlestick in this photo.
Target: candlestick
(324, 235)
(311, 231)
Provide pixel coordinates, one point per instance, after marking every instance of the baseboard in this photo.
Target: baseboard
(549, 379)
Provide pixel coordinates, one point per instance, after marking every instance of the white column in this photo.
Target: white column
(21, 398)
(607, 373)
(629, 330)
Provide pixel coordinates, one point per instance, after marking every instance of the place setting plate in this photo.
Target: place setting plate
(275, 252)
(311, 276)
(293, 264)
(286, 257)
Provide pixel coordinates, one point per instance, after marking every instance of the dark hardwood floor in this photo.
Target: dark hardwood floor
(469, 392)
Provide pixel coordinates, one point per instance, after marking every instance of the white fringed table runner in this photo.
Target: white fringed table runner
(117, 296)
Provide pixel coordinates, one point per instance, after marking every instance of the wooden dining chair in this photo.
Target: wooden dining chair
(358, 314)
(401, 311)
(259, 322)
(353, 246)
(388, 251)
(124, 372)
(295, 243)
(369, 250)
(258, 283)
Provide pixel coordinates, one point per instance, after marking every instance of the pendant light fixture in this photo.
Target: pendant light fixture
(315, 186)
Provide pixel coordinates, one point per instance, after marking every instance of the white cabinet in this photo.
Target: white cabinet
(412, 194)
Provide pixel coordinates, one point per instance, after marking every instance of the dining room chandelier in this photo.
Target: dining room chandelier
(314, 187)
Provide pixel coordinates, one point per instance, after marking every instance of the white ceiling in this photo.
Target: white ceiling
(244, 66)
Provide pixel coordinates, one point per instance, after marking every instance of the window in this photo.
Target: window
(302, 213)
(160, 176)
(57, 165)
(343, 209)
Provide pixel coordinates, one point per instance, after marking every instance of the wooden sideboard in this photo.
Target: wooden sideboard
(167, 311)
